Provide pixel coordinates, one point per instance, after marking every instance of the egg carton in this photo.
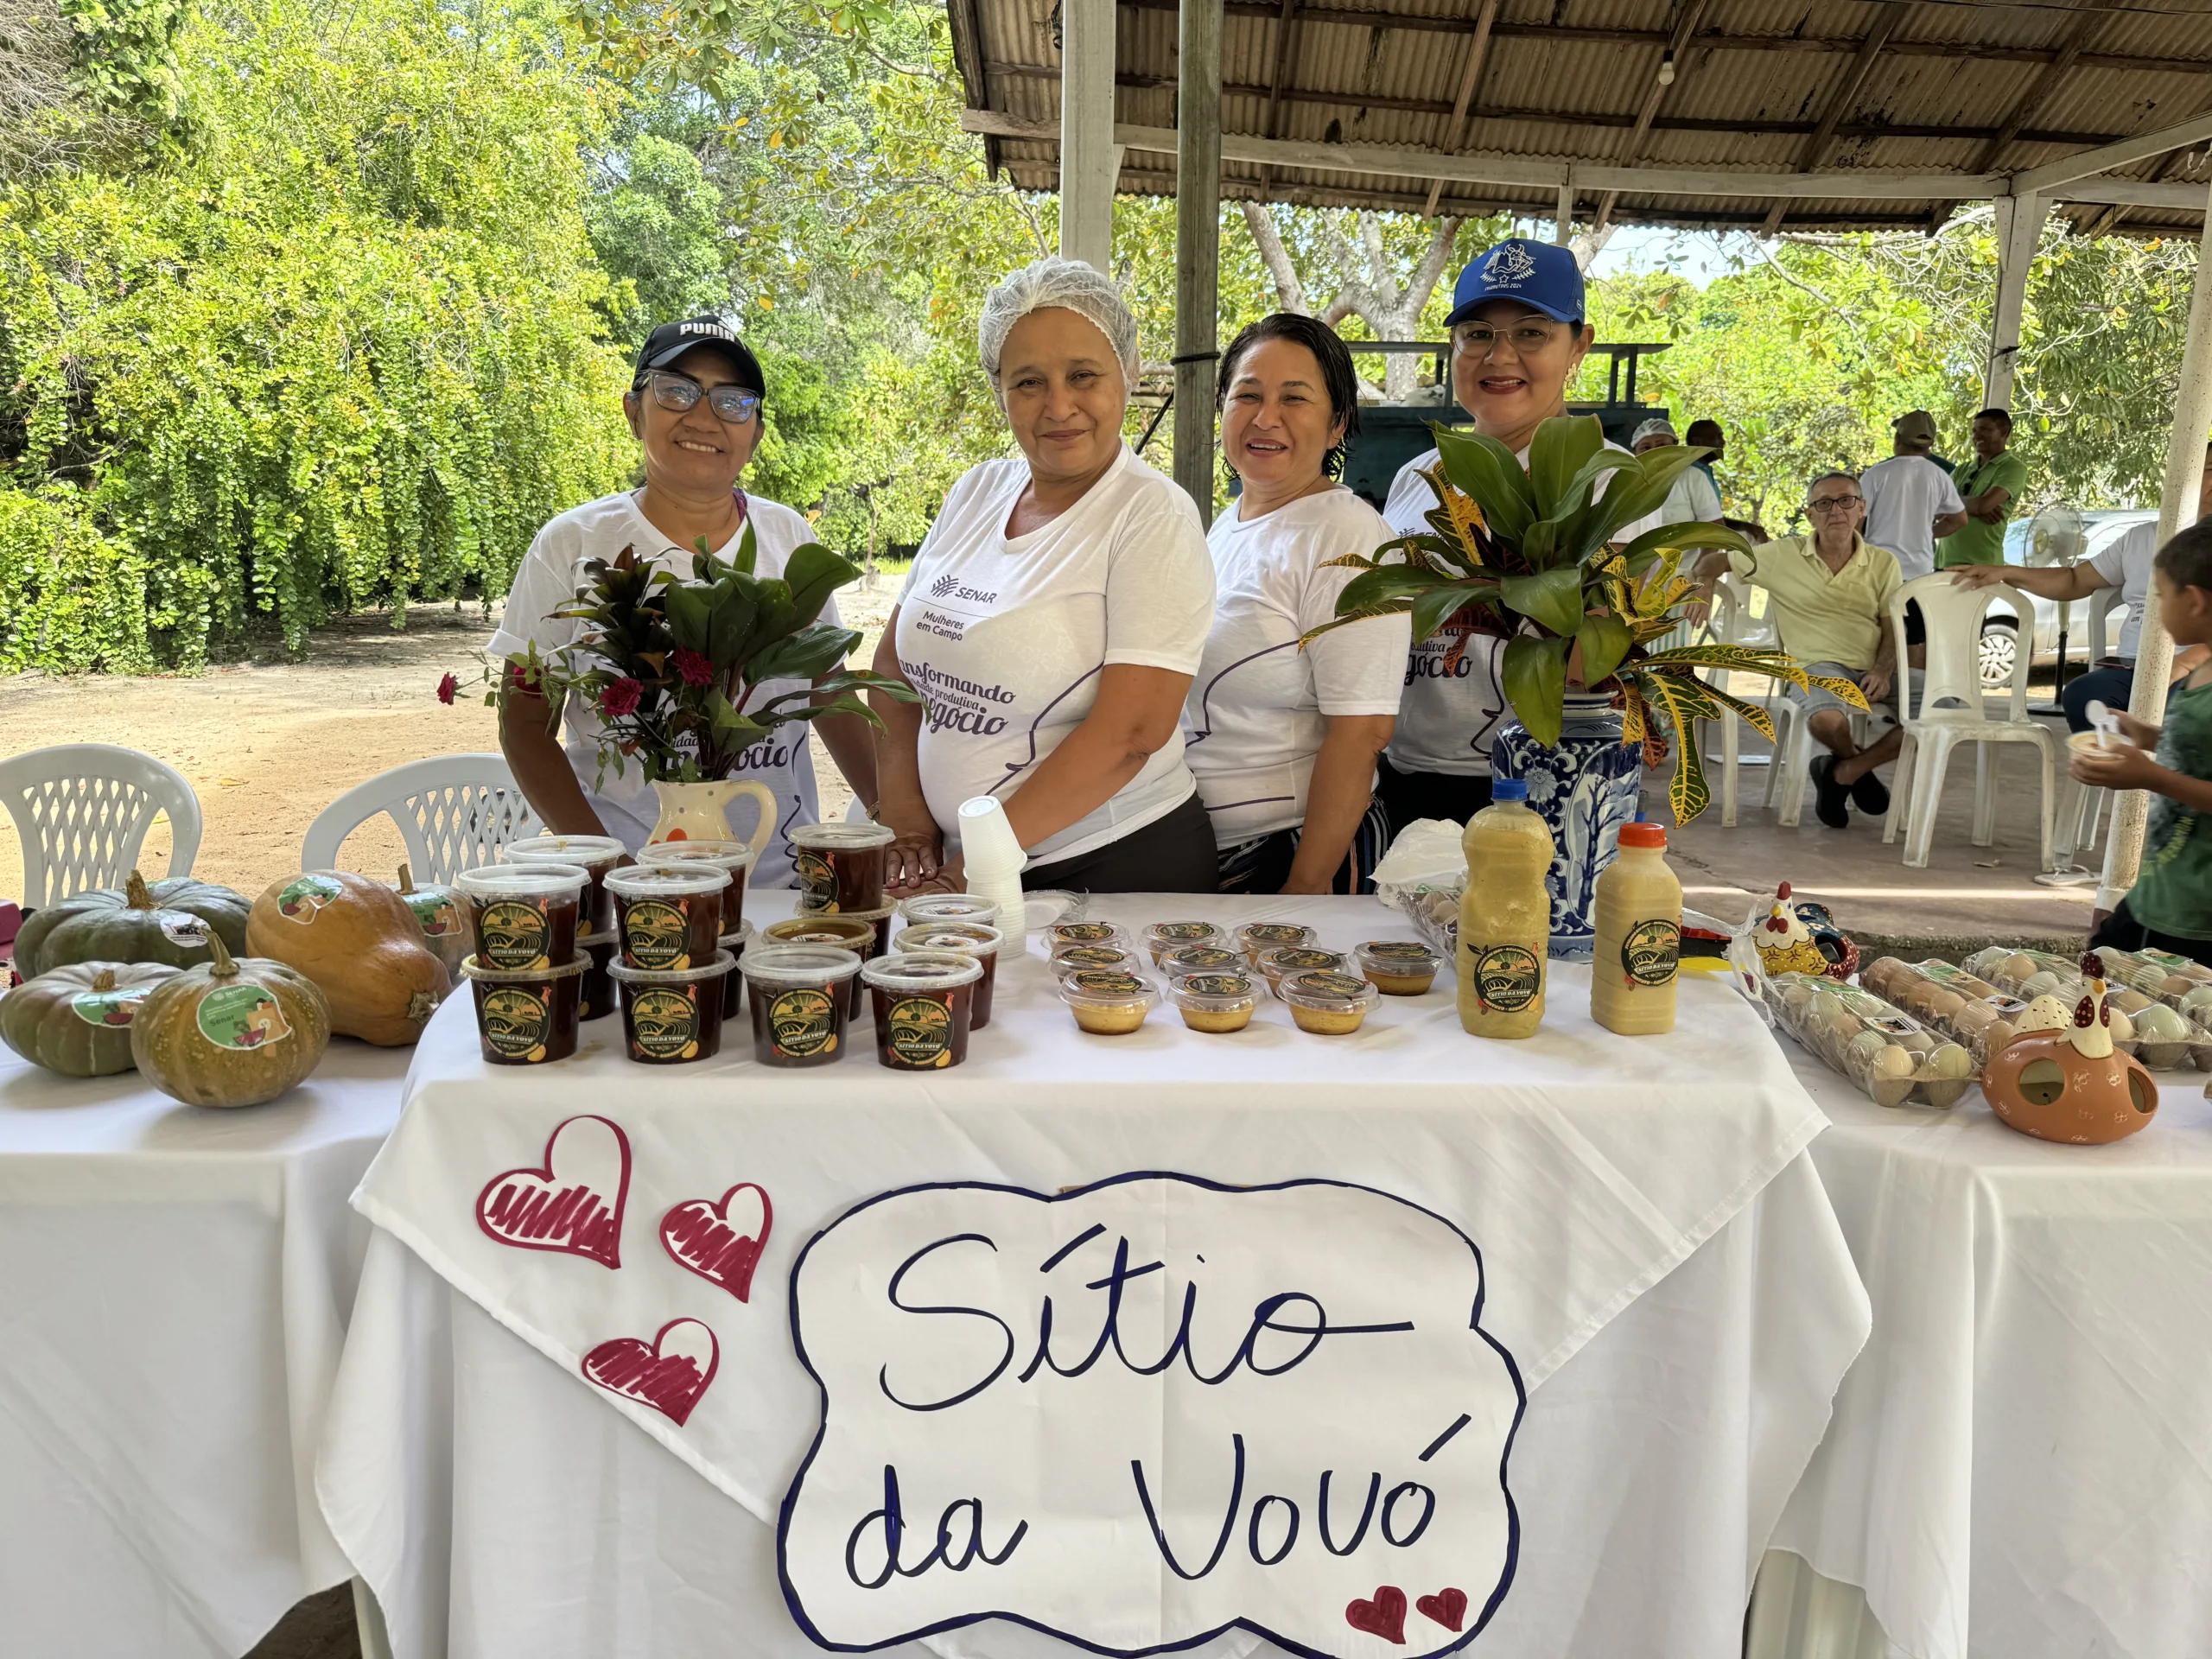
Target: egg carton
(1941, 994)
(2154, 1028)
(1892, 1057)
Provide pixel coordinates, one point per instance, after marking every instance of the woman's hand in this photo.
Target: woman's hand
(2126, 768)
(917, 849)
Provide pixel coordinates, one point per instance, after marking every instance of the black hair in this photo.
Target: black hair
(1689, 435)
(2187, 559)
(1336, 376)
(2003, 418)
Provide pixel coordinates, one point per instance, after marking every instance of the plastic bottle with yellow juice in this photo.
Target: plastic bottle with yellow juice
(1505, 916)
(1638, 922)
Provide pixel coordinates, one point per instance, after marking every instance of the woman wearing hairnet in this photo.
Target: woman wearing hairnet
(1052, 623)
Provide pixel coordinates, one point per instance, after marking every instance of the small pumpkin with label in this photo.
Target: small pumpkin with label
(444, 916)
(140, 921)
(236, 1032)
(76, 1020)
(357, 940)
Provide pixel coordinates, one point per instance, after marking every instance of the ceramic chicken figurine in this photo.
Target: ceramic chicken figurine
(2071, 1084)
(1785, 944)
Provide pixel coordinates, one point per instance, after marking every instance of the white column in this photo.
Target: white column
(2019, 230)
(1090, 160)
(1198, 243)
(1563, 221)
(2154, 653)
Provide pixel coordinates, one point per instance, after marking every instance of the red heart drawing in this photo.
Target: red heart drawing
(574, 1204)
(1447, 1607)
(1385, 1616)
(719, 1247)
(669, 1375)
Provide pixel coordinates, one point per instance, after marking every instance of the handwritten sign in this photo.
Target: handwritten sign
(1138, 1415)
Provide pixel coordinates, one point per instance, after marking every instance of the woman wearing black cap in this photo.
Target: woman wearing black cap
(695, 407)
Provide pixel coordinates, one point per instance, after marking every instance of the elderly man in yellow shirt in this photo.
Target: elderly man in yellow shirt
(1829, 595)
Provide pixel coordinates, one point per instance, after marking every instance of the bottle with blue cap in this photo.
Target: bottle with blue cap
(1505, 916)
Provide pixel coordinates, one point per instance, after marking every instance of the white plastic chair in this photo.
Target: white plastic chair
(1953, 675)
(1732, 624)
(455, 812)
(2080, 807)
(82, 811)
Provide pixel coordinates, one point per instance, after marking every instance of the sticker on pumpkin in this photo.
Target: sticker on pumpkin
(187, 931)
(241, 1017)
(438, 917)
(301, 898)
(112, 1009)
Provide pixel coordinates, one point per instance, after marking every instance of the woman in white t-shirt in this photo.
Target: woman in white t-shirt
(1052, 621)
(695, 405)
(1283, 741)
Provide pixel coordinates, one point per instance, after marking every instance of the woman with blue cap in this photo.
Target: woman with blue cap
(1518, 334)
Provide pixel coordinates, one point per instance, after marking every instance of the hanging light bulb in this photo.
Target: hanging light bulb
(1666, 69)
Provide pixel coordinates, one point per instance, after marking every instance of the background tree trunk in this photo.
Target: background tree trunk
(1370, 285)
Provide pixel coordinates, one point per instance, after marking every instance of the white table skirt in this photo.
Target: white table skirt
(174, 1288)
(2021, 1461)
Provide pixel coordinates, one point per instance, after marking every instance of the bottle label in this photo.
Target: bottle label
(516, 1022)
(658, 934)
(1651, 952)
(664, 1023)
(804, 1023)
(1507, 977)
(514, 933)
(920, 1031)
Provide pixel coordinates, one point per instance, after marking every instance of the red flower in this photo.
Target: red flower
(447, 687)
(520, 679)
(694, 666)
(620, 698)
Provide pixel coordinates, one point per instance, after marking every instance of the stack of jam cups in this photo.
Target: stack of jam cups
(841, 868)
(596, 855)
(924, 1007)
(976, 939)
(527, 973)
(672, 967)
(735, 856)
(863, 939)
(802, 1010)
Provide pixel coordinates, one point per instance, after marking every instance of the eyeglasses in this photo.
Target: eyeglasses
(1833, 502)
(679, 394)
(1526, 337)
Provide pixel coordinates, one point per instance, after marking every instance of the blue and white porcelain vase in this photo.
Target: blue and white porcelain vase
(1585, 790)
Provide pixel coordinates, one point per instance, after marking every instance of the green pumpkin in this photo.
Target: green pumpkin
(77, 1020)
(133, 923)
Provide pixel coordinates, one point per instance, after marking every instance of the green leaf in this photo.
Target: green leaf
(1534, 678)
(748, 550)
(1635, 493)
(1604, 641)
(801, 656)
(1562, 447)
(1551, 597)
(1433, 609)
(1486, 470)
(814, 573)
(1372, 588)
(1675, 538)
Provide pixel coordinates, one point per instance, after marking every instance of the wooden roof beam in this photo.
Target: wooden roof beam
(1688, 17)
(2073, 41)
(1839, 104)
(2045, 179)
(1470, 75)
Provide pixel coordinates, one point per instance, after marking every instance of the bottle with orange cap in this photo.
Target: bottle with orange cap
(1639, 926)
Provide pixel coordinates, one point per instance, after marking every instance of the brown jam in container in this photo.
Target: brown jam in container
(800, 1004)
(527, 915)
(969, 939)
(735, 856)
(673, 1015)
(923, 1008)
(841, 866)
(526, 1016)
(669, 919)
(594, 854)
(733, 982)
(596, 1001)
(845, 932)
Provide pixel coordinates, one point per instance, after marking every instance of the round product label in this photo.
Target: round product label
(1205, 960)
(437, 914)
(516, 1022)
(803, 1022)
(1399, 950)
(1083, 932)
(1090, 955)
(656, 934)
(241, 1016)
(1106, 984)
(189, 932)
(1218, 985)
(1507, 977)
(305, 895)
(1291, 960)
(1326, 984)
(817, 880)
(1275, 933)
(1183, 931)
(919, 1030)
(514, 933)
(1650, 952)
(112, 1009)
(664, 1023)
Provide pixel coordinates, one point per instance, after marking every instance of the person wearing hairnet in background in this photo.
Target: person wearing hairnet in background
(1052, 623)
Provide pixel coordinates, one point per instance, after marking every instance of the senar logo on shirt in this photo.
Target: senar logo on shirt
(951, 588)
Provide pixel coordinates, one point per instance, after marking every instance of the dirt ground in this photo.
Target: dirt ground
(267, 746)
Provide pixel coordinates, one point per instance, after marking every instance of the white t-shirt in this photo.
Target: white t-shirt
(1005, 639)
(548, 577)
(1259, 707)
(1446, 719)
(1691, 501)
(2125, 564)
(1905, 495)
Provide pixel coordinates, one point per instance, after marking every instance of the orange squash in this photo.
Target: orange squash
(362, 946)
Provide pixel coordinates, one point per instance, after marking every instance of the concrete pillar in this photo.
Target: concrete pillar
(1563, 221)
(2154, 656)
(1198, 243)
(1090, 160)
(2020, 229)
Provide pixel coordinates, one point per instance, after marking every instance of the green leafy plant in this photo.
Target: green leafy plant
(1531, 557)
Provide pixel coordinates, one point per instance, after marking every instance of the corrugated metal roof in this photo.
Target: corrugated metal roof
(1954, 88)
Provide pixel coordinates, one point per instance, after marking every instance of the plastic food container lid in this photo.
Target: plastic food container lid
(1404, 956)
(829, 928)
(1203, 959)
(733, 943)
(841, 838)
(1096, 959)
(970, 939)
(1085, 934)
(1261, 936)
(1177, 934)
(1217, 993)
(606, 940)
(921, 971)
(475, 969)
(580, 850)
(950, 907)
(541, 880)
(1107, 990)
(1327, 988)
(723, 963)
(732, 855)
(800, 964)
(657, 881)
(1299, 959)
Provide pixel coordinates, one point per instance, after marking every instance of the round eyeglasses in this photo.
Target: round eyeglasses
(1526, 337)
(1834, 503)
(679, 394)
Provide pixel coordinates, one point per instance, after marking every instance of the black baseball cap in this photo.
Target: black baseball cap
(671, 339)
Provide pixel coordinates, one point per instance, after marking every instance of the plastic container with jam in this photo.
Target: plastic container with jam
(1399, 967)
(845, 932)
(1094, 959)
(670, 1015)
(884, 921)
(669, 919)
(597, 998)
(528, 915)
(1113, 933)
(840, 866)
(1278, 961)
(801, 1003)
(1328, 1003)
(1161, 938)
(948, 907)
(924, 1004)
(1204, 959)
(735, 856)
(970, 939)
(525, 1016)
(734, 982)
(1255, 937)
(594, 854)
(1216, 1002)
(1108, 1004)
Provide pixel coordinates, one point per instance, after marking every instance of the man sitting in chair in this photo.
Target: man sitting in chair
(1830, 596)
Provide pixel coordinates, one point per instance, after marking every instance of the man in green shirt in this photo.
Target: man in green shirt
(1990, 484)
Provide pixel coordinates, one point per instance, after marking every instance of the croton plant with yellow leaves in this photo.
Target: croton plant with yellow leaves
(1531, 557)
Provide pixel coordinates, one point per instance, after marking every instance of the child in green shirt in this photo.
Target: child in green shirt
(2170, 908)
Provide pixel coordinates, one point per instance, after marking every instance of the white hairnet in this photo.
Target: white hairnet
(1656, 426)
(1071, 285)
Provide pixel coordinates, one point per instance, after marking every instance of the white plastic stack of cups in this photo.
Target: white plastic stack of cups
(995, 862)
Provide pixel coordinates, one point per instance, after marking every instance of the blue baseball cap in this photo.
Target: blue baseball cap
(1539, 274)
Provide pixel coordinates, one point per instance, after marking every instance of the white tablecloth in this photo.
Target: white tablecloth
(2021, 1461)
(1588, 1168)
(173, 1289)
